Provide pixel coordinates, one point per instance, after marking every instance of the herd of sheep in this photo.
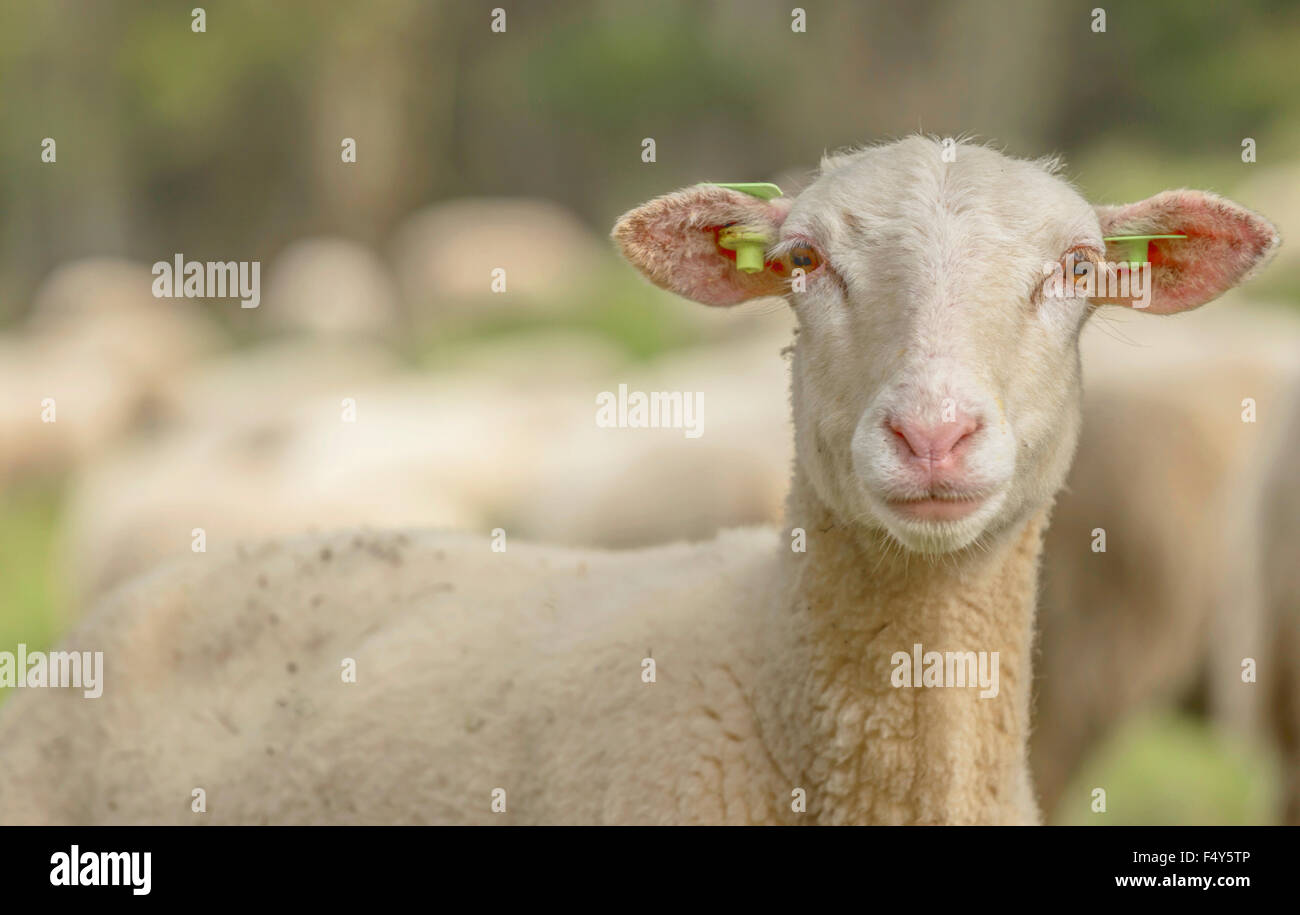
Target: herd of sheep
(165, 426)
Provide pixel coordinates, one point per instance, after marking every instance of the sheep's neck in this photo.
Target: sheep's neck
(866, 750)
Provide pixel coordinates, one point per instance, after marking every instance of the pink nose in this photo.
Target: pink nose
(935, 443)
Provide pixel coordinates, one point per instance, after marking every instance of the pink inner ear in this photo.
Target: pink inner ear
(673, 240)
(1225, 243)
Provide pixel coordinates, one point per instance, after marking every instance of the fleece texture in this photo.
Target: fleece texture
(523, 670)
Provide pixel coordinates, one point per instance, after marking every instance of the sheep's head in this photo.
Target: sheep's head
(936, 373)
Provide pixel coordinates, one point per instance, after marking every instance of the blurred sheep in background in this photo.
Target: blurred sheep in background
(445, 255)
(331, 287)
(470, 449)
(1161, 470)
(102, 349)
(1257, 627)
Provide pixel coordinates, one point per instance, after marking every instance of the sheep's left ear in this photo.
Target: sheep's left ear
(1225, 244)
(674, 241)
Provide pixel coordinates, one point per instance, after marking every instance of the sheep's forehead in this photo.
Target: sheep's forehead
(905, 201)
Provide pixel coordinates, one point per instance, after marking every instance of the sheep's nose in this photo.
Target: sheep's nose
(934, 442)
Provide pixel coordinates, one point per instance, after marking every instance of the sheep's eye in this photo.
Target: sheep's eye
(1082, 269)
(804, 257)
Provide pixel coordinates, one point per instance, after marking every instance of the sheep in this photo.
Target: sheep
(105, 307)
(91, 361)
(56, 410)
(602, 487)
(758, 678)
(1127, 628)
(331, 287)
(252, 456)
(281, 472)
(444, 257)
(1254, 661)
(259, 383)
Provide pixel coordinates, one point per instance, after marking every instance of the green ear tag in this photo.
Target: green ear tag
(748, 245)
(1135, 246)
(763, 190)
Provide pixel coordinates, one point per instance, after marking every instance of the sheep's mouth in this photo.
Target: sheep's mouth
(938, 506)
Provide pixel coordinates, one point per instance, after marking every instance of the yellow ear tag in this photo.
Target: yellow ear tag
(748, 244)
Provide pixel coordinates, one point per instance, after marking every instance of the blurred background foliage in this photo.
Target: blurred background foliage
(225, 146)
(227, 143)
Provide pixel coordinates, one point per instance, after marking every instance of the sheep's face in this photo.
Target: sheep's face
(936, 373)
(936, 387)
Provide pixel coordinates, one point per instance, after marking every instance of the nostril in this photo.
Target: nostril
(963, 429)
(910, 436)
(914, 436)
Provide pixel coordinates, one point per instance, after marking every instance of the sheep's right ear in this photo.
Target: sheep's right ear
(673, 240)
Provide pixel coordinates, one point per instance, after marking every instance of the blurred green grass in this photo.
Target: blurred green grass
(1169, 768)
(31, 586)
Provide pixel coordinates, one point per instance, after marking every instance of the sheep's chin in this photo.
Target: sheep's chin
(937, 537)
